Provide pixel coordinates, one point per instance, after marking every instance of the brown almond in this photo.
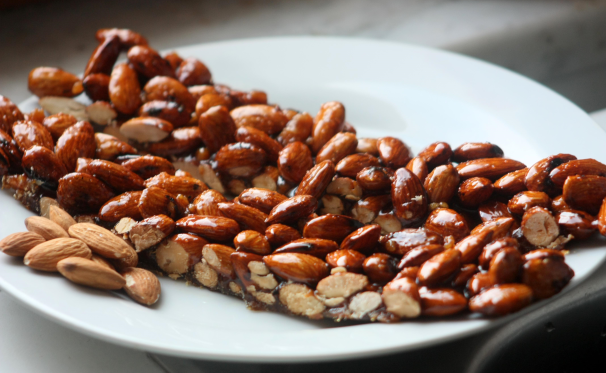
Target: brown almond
(511, 183)
(439, 267)
(166, 110)
(543, 254)
(181, 141)
(218, 257)
(52, 81)
(491, 249)
(116, 176)
(327, 123)
(585, 192)
(292, 209)
(246, 216)
(401, 242)
(294, 161)
(27, 133)
(128, 38)
(207, 202)
(266, 118)
(56, 124)
(346, 188)
(298, 128)
(316, 179)
(578, 223)
(352, 164)
(42, 164)
(151, 231)
(577, 167)
(217, 128)
(380, 268)
(602, 218)
(261, 199)
(465, 274)
(45, 256)
(100, 240)
(409, 197)
(523, 201)
(447, 222)
(86, 272)
(80, 193)
(441, 184)
(148, 166)
(102, 261)
(11, 153)
(311, 246)
(179, 253)
(104, 56)
(375, 180)
(148, 62)
(363, 239)
(78, 141)
(351, 260)
(240, 159)
(367, 145)
(505, 266)
(491, 210)
(96, 86)
(260, 139)
(192, 71)
(297, 267)
(537, 178)
(338, 147)
(252, 242)
(490, 168)
(18, 244)
(215, 228)
(330, 227)
(474, 191)
(47, 228)
(165, 88)
(420, 255)
(209, 100)
(141, 285)
(500, 227)
(124, 89)
(187, 186)
(476, 150)
(436, 154)
(393, 152)
(418, 167)
(279, 234)
(501, 300)
(546, 277)
(401, 297)
(471, 246)
(9, 114)
(156, 201)
(441, 302)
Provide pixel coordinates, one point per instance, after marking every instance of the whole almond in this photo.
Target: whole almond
(216, 228)
(367, 145)
(292, 209)
(409, 197)
(146, 129)
(89, 273)
(104, 56)
(261, 199)
(192, 72)
(45, 256)
(128, 38)
(240, 159)
(490, 168)
(328, 122)
(523, 201)
(585, 192)
(261, 139)
(141, 285)
(124, 89)
(217, 128)
(316, 180)
(297, 267)
(18, 244)
(447, 222)
(100, 240)
(116, 176)
(338, 147)
(109, 147)
(82, 193)
(441, 184)
(577, 167)
(311, 246)
(45, 227)
(537, 179)
(298, 128)
(418, 167)
(96, 87)
(474, 191)
(294, 161)
(124, 205)
(149, 166)
(9, 114)
(51, 81)
(436, 154)
(330, 227)
(169, 89)
(374, 179)
(207, 202)
(28, 133)
(393, 152)
(148, 62)
(77, 141)
(246, 216)
(266, 118)
(187, 186)
(42, 164)
(58, 123)
(181, 141)
(169, 111)
(476, 150)
(511, 183)
(279, 234)
(61, 217)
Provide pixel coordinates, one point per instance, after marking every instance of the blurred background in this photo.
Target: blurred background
(560, 43)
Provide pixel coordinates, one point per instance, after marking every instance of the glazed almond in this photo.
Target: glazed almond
(191, 71)
(471, 246)
(380, 268)
(409, 197)
(215, 228)
(266, 118)
(78, 141)
(181, 141)
(240, 159)
(252, 242)
(207, 202)
(436, 154)
(42, 164)
(169, 111)
(261, 199)
(187, 186)
(441, 302)
(447, 222)
(491, 210)
(104, 56)
(121, 206)
(165, 88)
(116, 176)
(311, 246)
(376, 180)
(279, 234)
(128, 38)
(56, 124)
(441, 184)
(124, 89)
(401, 297)
(490, 168)
(585, 192)
(79, 192)
(292, 209)
(546, 277)
(28, 133)
(109, 147)
(96, 86)
(400, 242)
(474, 191)
(511, 183)
(298, 128)
(148, 62)
(338, 147)
(51, 81)
(148, 166)
(367, 145)
(363, 239)
(500, 227)
(330, 227)
(505, 266)
(439, 267)
(420, 255)
(151, 231)
(393, 152)
(157, 201)
(579, 167)
(294, 161)
(297, 267)
(351, 260)
(523, 201)
(537, 179)
(217, 128)
(260, 139)
(418, 167)
(327, 123)
(476, 150)
(9, 114)
(316, 179)
(246, 216)
(501, 300)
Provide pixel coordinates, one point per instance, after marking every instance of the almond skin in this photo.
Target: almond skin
(279, 234)
(447, 222)
(57, 124)
(18, 244)
(537, 179)
(207, 202)
(261, 199)
(122, 206)
(316, 180)
(375, 180)
(180, 141)
(252, 242)
(418, 167)
(169, 111)
(59, 216)
(351, 165)
(51, 81)
(148, 62)
(476, 150)
(168, 89)
(188, 186)
(45, 227)
(45, 256)
(104, 56)
(491, 210)
(88, 273)
(439, 267)
(363, 239)
(218, 257)
(409, 197)
(42, 164)
(124, 89)
(297, 267)
(101, 241)
(474, 191)
(292, 209)
(11, 151)
(298, 128)
(500, 227)
(311, 246)
(260, 139)
(214, 228)
(490, 168)
(80, 193)
(240, 159)
(141, 285)
(96, 87)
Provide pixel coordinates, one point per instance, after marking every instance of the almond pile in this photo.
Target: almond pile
(194, 180)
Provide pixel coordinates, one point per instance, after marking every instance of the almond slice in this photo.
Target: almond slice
(56, 105)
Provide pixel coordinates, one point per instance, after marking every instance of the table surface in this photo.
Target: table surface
(61, 34)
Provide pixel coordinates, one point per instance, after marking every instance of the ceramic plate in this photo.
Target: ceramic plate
(420, 95)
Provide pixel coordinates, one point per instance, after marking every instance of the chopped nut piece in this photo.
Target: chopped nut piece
(300, 300)
(363, 303)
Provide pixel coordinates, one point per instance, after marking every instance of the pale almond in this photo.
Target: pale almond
(18, 244)
(45, 256)
(89, 273)
(45, 227)
(142, 285)
(101, 241)
(61, 217)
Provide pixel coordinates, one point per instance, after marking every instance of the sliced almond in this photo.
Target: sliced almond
(18, 244)
(56, 105)
(101, 241)
(45, 227)
(89, 273)
(101, 112)
(146, 129)
(45, 256)
(61, 217)
(142, 285)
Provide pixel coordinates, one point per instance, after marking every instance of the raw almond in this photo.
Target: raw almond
(141, 285)
(61, 217)
(18, 244)
(45, 256)
(45, 227)
(89, 273)
(100, 240)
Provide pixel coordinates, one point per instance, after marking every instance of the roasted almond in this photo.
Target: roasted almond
(375, 180)
(246, 216)
(316, 179)
(500, 227)
(578, 223)
(436, 154)
(351, 260)
(327, 123)
(363, 239)
(104, 56)
(141, 285)
(401, 297)
(52, 81)
(537, 178)
(151, 231)
(441, 184)
(45, 256)
(252, 242)
(157, 201)
(523, 201)
(124, 89)
(585, 192)
(100, 240)
(439, 267)
(474, 191)
(169, 111)
(78, 141)
(148, 166)
(352, 164)
(86, 272)
(420, 255)
(279, 234)
(109, 147)
(490, 168)
(546, 277)
(346, 188)
(491, 249)
(122, 206)
(216, 228)
(418, 167)
(266, 118)
(366, 210)
(116, 176)
(330, 227)
(56, 124)
(491, 210)
(127, 37)
(602, 218)
(42, 164)
(27, 133)
(409, 197)
(380, 268)
(471, 246)
(294, 161)
(96, 86)
(292, 209)
(447, 222)
(511, 183)
(399, 243)
(297, 267)
(181, 141)
(338, 147)
(261, 199)
(260, 139)
(393, 152)
(207, 202)
(476, 150)
(505, 266)
(441, 302)
(579, 167)
(8, 146)
(148, 62)
(178, 254)
(218, 257)
(192, 71)
(367, 145)
(187, 186)
(298, 128)
(18, 244)
(240, 159)
(312, 246)
(9, 114)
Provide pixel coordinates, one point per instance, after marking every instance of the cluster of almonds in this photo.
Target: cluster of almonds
(288, 212)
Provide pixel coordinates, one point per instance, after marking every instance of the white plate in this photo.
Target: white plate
(418, 94)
